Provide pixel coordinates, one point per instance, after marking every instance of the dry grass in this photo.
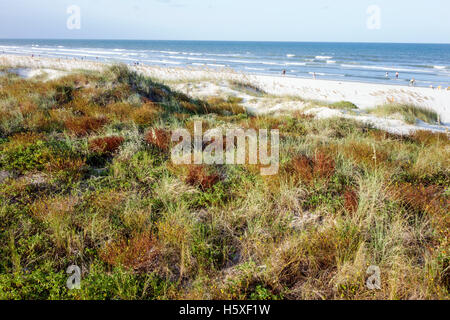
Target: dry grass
(320, 167)
(429, 199)
(140, 253)
(159, 138)
(364, 153)
(106, 145)
(428, 138)
(200, 175)
(409, 113)
(145, 115)
(86, 179)
(351, 200)
(82, 126)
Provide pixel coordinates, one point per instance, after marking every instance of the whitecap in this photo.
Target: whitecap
(323, 57)
(393, 69)
(256, 69)
(318, 73)
(296, 63)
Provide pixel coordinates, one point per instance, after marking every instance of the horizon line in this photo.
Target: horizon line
(208, 40)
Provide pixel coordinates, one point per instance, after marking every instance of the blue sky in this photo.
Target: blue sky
(256, 20)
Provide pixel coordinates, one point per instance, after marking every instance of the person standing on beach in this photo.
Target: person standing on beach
(387, 75)
(284, 73)
(396, 75)
(314, 75)
(412, 82)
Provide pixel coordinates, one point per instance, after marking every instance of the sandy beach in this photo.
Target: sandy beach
(282, 94)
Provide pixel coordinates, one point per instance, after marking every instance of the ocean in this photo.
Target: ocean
(428, 64)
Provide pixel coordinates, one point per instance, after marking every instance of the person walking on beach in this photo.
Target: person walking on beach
(396, 75)
(412, 83)
(314, 75)
(387, 75)
(284, 73)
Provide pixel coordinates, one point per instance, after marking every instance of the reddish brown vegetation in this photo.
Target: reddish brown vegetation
(82, 126)
(431, 200)
(140, 253)
(428, 199)
(303, 166)
(322, 166)
(159, 138)
(430, 138)
(351, 200)
(198, 175)
(107, 145)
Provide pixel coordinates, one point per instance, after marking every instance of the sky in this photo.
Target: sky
(418, 21)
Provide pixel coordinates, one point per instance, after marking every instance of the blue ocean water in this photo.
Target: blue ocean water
(428, 64)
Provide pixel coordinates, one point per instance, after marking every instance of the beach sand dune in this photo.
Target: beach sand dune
(363, 95)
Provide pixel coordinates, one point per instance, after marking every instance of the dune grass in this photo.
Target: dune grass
(409, 113)
(88, 180)
(247, 88)
(343, 105)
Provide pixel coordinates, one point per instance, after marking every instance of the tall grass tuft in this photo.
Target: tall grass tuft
(409, 113)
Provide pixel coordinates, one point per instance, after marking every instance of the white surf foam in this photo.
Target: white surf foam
(323, 57)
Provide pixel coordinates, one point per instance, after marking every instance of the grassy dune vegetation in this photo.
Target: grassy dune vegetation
(86, 179)
(408, 113)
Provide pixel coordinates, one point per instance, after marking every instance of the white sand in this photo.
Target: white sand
(207, 82)
(47, 74)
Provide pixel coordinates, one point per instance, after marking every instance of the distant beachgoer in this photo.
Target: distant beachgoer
(431, 86)
(396, 75)
(284, 72)
(412, 82)
(314, 75)
(387, 74)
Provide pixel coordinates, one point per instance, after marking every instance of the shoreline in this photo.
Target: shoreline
(210, 82)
